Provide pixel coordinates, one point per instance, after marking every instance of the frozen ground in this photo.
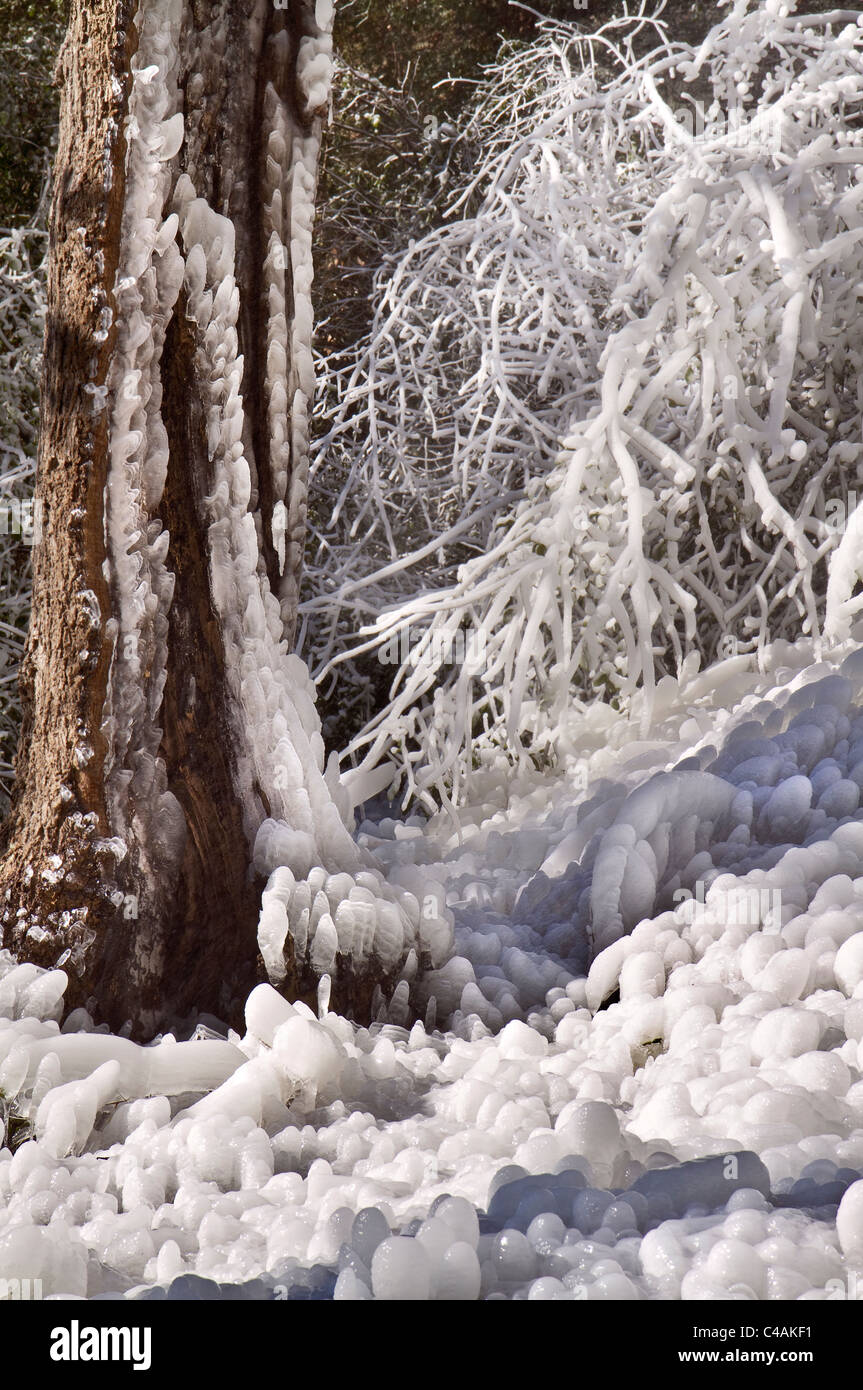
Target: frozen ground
(683, 1122)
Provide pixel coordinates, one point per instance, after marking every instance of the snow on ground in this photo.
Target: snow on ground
(639, 1074)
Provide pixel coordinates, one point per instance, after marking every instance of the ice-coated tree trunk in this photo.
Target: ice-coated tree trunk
(166, 721)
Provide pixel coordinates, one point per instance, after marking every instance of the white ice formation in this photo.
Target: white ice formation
(680, 1116)
(149, 277)
(296, 809)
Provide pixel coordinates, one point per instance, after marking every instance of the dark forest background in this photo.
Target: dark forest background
(413, 46)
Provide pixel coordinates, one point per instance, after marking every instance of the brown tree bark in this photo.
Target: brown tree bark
(172, 474)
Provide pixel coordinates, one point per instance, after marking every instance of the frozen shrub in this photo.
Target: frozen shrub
(22, 313)
(617, 385)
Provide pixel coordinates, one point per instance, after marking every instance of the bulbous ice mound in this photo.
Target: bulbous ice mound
(700, 1134)
(725, 837)
(654, 838)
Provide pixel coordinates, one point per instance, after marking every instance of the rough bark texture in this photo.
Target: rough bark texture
(75, 888)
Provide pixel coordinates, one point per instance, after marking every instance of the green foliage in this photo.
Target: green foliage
(424, 42)
(421, 44)
(30, 36)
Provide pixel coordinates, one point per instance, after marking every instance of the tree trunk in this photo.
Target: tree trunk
(165, 718)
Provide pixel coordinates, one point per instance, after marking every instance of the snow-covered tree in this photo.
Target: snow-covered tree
(605, 421)
(165, 719)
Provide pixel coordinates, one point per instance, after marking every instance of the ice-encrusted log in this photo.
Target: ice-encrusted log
(166, 719)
